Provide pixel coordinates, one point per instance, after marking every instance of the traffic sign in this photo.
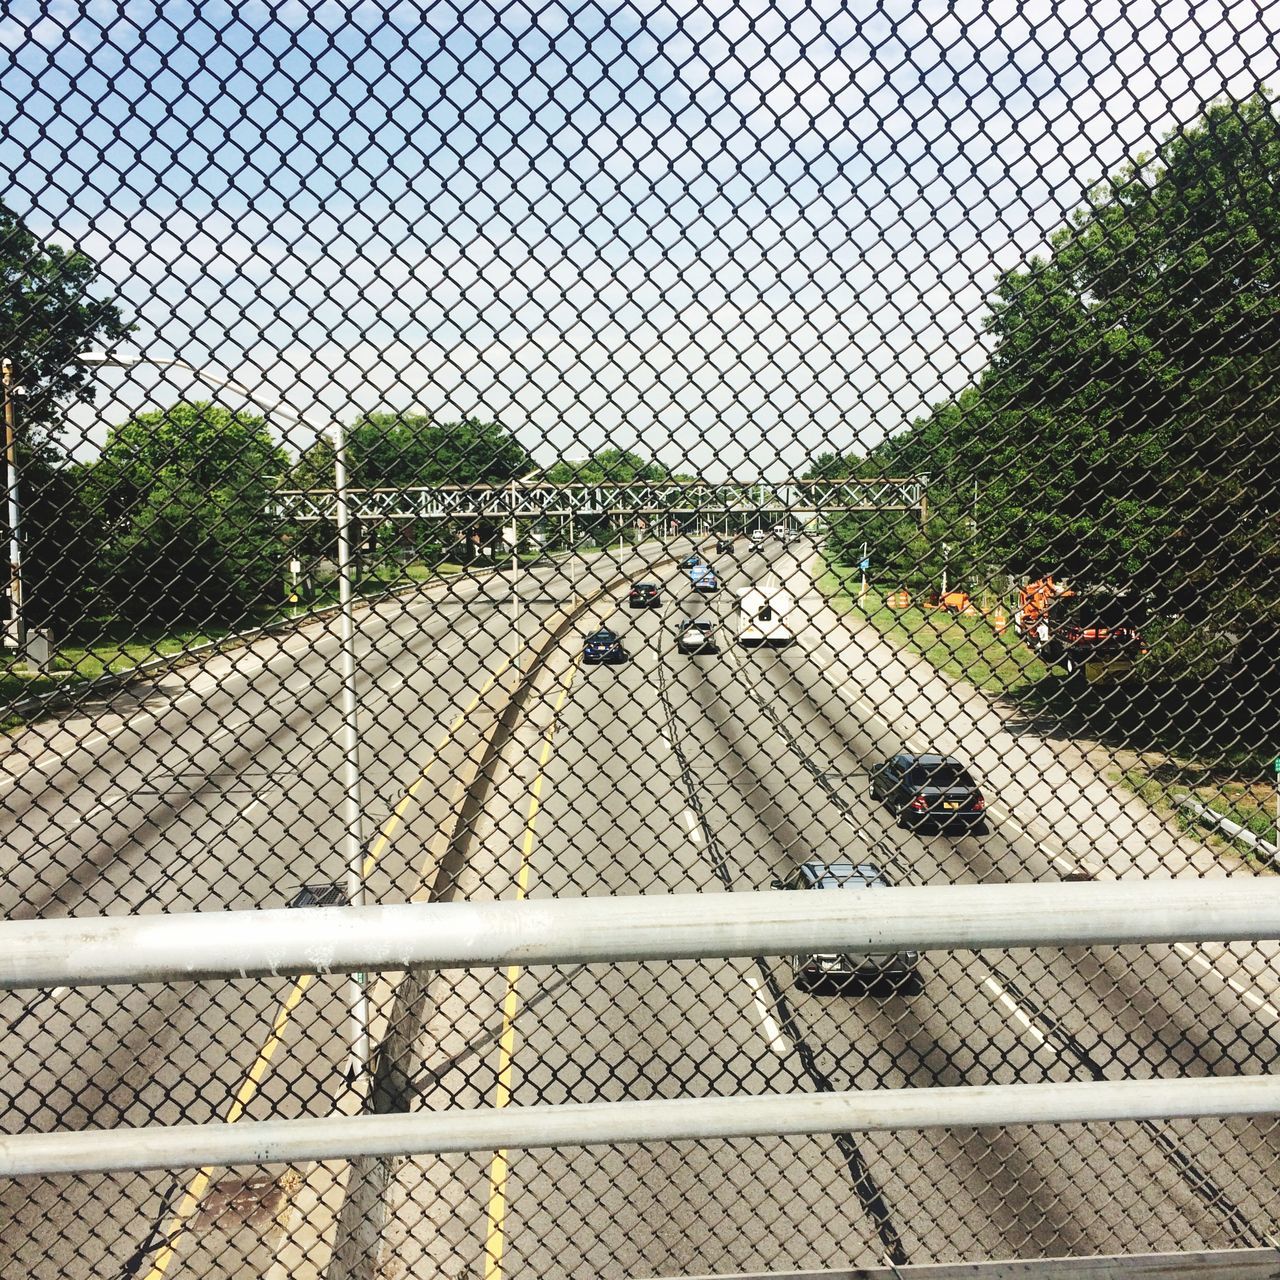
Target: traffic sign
(864, 565)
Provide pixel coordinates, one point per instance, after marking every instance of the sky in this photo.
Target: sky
(730, 235)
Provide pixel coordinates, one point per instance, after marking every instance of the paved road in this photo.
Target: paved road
(666, 774)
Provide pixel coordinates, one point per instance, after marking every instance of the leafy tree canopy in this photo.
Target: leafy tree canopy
(47, 316)
(404, 450)
(1120, 432)
(184, 495)
(618, 466)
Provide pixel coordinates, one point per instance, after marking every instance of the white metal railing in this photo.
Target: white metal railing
(226, 944)
(600, 1123)
(134, 949)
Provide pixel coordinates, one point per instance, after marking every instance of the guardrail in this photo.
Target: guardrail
(136, 949)
(562, 931)
(1237, 831)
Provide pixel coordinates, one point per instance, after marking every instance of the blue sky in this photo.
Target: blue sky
(734, 234)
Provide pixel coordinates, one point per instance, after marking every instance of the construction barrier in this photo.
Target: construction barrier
(899, 599)
(999, 621)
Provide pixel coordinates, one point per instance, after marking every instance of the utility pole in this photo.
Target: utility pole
(358, 1001)
(515, 567)
(17, 620)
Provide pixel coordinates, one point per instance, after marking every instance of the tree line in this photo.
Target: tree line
(1123, 430)
(174, 523)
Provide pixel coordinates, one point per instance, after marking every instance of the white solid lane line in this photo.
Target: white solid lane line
(105, 804)
(1011, 1006)
(773, 1035)
(692, 823)
(1005, 817)
(1251, 998)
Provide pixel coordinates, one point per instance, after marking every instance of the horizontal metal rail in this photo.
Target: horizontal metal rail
(1236, 830)
(600, 1123)
(551, 931)
(1203, 1264)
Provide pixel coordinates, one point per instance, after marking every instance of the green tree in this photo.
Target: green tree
(185, 495)
(48, 314)
(1120, 433)
(609, 466)
(389, 450)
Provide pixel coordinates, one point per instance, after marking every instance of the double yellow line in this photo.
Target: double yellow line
(495, 1239)
(249, 1086)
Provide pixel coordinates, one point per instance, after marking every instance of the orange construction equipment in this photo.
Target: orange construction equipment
(1061, 639)
(1034, 602)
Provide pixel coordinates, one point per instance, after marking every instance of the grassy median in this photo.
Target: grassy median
(117, 647)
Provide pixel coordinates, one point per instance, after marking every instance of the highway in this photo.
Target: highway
(712, 773)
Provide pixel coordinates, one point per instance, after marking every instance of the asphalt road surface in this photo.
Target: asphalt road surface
(669, 773)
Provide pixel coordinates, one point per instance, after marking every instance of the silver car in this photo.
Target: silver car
(898, 970)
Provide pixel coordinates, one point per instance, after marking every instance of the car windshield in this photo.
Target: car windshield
(938, 775)
(602, 637)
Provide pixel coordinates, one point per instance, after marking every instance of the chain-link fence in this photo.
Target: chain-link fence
(480, 451)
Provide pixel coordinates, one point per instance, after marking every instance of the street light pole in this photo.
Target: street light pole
(515, 593)
(354, 818)
(17, 619)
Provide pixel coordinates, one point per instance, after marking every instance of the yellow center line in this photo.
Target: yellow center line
(249, 1086)
(496, 1237)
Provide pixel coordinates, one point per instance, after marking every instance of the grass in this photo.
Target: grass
(966, 647)
(1250, 804)
(118, 647)
(1192, 732)
(115, 649)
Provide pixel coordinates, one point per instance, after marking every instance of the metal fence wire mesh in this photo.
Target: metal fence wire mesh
(501, 451)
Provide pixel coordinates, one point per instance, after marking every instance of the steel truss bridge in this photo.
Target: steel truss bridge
(536, 499)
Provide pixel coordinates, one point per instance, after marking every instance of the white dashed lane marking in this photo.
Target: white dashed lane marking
(773, 1035)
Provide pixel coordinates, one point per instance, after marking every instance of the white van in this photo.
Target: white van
(762, 618)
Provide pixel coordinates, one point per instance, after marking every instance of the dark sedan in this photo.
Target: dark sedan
(929, 790)
(603, 646)
(645, 595)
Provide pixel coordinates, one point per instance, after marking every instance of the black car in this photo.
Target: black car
(724, 545)
(645, 595)
(929, 790)
(603, 646)
(894, 969)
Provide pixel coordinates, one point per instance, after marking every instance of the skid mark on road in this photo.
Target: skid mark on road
(495, 1239)
(249, 1086)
